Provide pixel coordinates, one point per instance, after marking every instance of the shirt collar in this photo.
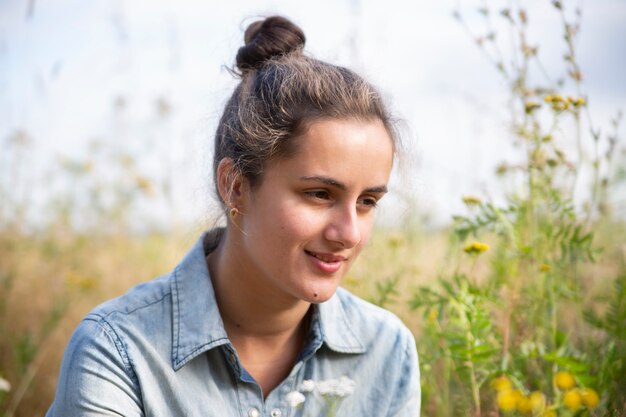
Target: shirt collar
(335, 321)
(198, 326)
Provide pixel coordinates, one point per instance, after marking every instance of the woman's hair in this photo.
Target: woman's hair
(281, 90)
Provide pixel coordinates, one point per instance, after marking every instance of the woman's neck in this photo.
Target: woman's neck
(247, 303)
(267, 328)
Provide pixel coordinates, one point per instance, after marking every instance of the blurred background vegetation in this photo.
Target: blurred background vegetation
(517, 301)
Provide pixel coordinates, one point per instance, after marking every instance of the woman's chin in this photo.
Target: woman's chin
(319, 294)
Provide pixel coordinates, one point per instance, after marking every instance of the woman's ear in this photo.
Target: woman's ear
(230, 182)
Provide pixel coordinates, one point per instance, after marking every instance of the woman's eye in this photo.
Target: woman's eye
(369, 202)
(319, 194)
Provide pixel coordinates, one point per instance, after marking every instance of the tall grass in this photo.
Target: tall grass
(536, 332)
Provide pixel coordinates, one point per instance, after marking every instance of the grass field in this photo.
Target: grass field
(50, 281)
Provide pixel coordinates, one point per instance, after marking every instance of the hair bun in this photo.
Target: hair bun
(265, 39)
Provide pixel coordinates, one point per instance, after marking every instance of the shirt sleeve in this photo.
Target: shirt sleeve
(96, 376)
(407, 399)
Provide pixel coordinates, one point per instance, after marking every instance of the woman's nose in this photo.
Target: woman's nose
(344, 227)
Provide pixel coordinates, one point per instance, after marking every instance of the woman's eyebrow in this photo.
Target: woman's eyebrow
(337, 184)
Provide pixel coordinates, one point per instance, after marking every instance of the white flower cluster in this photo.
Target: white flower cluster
(341, 387)
(5, 385)
(337, 388)
(295, 398)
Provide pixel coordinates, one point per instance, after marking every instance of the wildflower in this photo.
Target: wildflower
(144, 185)
(589, 397)
(502, 169)
(524, 405)
(471, 200)
(307, 385)
(476, 248)
(576, 102)
(576, 75)
(522, 16)
(558, 102)
(531, 106)
(433, 314)
(537, 400)
(4, 385)
(572, 400)
(564, 380)
(538, 158)
(294, 398)
(501, 383)
(508, 399)
(341, 387)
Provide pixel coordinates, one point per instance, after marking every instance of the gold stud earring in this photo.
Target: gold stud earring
(234, 212)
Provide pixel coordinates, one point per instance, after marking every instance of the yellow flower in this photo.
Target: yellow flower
(537, 400)
(508, 399)
(470, 200)
(531, 106)
(564, 380)
(433, 314)
(544, 268)
(590, 397)
(476, 248)
(549, 413)
(501, 383)
(524, 405)
(572, 400)
(144, 185)
(502, 169)
(576, 102)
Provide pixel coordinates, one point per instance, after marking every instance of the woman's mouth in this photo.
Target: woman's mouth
(326, 262)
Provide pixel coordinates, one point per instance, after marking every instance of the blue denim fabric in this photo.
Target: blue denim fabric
(161, 350)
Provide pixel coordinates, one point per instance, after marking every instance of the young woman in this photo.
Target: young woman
(253, 314)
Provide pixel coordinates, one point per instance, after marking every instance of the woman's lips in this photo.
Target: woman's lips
(326, 262)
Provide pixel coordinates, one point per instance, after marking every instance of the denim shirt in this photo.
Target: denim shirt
(161, 350)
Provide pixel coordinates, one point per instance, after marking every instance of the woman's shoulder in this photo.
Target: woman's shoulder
(360, 309)
(146, 295)
(372, 323)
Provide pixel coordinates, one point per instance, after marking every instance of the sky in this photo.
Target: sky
(148, 78)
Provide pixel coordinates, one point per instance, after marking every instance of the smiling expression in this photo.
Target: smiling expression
(309, 218)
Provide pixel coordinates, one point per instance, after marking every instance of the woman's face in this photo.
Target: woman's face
(310, 217)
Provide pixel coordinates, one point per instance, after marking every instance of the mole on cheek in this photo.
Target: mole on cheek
(315, 295)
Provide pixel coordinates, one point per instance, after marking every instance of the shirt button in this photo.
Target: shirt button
(276, 413)
(253, 412)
